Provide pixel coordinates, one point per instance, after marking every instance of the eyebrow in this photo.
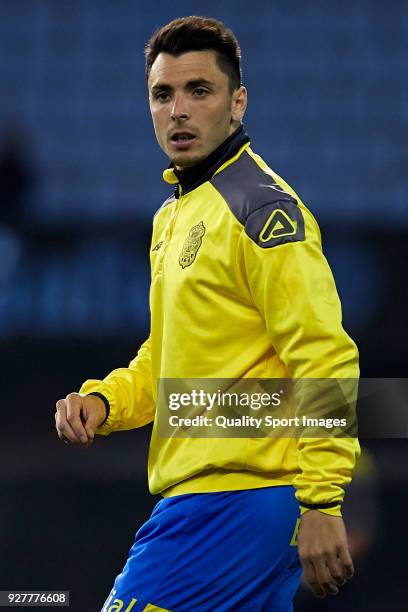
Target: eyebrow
(189, 85)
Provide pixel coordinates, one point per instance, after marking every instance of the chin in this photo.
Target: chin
(187, 162)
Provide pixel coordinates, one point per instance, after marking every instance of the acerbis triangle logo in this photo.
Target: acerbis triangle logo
(278, 225)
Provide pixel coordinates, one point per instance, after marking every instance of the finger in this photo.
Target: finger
(346, 561)
(74, 406)
(336, 569)
(337, 573)
(311, 579)
(65, 433)
(64, 430)
(324, 578)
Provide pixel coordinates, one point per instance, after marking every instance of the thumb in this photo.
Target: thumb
(92, 414)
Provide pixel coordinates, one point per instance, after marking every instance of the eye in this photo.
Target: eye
(200, 92)
(162, 96)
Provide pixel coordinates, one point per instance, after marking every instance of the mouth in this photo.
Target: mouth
(182, 139)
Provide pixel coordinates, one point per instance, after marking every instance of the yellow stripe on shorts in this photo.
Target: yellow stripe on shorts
(294, 541)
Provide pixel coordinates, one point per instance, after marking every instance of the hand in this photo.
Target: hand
(323, 552)
(77, 417)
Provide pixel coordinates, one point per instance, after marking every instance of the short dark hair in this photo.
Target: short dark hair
(198, 34)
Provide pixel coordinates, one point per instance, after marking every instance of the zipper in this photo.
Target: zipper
(170, 228)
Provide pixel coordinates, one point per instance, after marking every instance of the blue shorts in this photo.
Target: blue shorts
(227, 551)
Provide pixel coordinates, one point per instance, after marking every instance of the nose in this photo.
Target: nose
(179, 111)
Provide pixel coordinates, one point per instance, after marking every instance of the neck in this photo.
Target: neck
(193, 176)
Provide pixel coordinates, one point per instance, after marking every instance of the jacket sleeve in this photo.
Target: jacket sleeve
(129, 393)
(292, 286)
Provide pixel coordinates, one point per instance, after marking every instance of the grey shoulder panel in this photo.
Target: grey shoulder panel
(169, 200)
(270, 215)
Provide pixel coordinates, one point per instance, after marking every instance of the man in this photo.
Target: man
(240, 289)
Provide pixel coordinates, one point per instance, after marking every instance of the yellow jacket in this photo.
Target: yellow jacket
(239, 288)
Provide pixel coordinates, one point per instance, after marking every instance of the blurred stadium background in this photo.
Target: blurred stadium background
(80, 178)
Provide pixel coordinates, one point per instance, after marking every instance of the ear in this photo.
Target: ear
(238, 104)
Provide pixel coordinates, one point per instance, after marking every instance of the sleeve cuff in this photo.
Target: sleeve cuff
(333, 510)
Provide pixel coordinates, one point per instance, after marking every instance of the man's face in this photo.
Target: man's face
(192, 107)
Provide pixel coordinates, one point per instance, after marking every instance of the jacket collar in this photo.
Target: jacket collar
(193, 177)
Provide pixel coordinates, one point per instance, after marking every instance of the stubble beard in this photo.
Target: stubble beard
(181, 163)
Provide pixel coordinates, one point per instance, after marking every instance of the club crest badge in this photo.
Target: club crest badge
(191, 245)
